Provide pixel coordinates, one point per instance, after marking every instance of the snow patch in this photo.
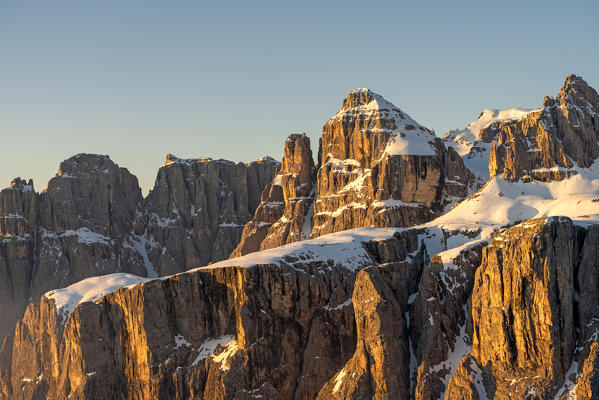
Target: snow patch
(84, 235)
(90, 289)
(209, 346)
(224, 356)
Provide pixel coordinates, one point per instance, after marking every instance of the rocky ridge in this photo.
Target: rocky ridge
(472, 305)
(92, 220)
(546, 144)
(304, 291)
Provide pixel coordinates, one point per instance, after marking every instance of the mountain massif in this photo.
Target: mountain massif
(396, 265)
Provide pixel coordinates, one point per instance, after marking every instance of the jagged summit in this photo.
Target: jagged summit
(493, 298)
(21, 184)
(364, 99)
(372, 114)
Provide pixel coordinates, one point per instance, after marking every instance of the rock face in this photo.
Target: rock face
(548, 144)
(528, 336)
(18, 215)
(74, 229)
(474, 147)
(285, 212)
(379, 167)
(351, 315)
(459, 308)
(203, 340)
(197, 210)
(92, 220)
(380, 365)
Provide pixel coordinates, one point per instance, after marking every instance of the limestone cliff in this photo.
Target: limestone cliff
(358, 314)
(529, 337)
(285, 212)
(92, 220)
(75, 228)
(279, 325)
(196, 211)
(549, 143)
(379, 167)
(473, 305)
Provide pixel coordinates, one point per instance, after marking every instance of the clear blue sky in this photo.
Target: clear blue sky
(140, 79)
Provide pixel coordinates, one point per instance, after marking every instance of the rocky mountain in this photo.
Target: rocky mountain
(379, 167)
(494, 298)
(473, 148)
(196, 211)
(92, 220)
(285, 212)
(544, 144)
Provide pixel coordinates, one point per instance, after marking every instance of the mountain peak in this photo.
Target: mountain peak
(365, 99)
(577, 90)
(83, 163)
(574, 80)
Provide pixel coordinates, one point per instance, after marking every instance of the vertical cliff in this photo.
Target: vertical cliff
(379, 167)
(92, 220)
(285, 212)
(549, 143)
(196, 211)
(530, 337)
(74, 229)
(279, 325)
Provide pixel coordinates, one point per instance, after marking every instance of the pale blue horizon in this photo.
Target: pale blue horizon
(139, 79)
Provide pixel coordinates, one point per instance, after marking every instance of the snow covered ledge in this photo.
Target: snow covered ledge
(90, 289)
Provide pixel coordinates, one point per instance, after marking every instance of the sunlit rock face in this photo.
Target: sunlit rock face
(285, 212)
(279, 325)
(75, 228)
(92, 220)
(479, 303)
(529, 337)
(379, 167)
(550, 143)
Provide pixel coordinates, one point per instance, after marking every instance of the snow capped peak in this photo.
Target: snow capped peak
(462, 140)
(364, 99)
(374, 114)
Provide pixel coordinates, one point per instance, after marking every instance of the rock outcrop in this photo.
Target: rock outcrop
(473, 305)
(74, 229)
(285, 212)
(352, 315)
(548, 144)
(18, 216)
(529, 337)
(474, 147)
(196, 211)
(379, 167)
(278, 326)
(92, 220)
